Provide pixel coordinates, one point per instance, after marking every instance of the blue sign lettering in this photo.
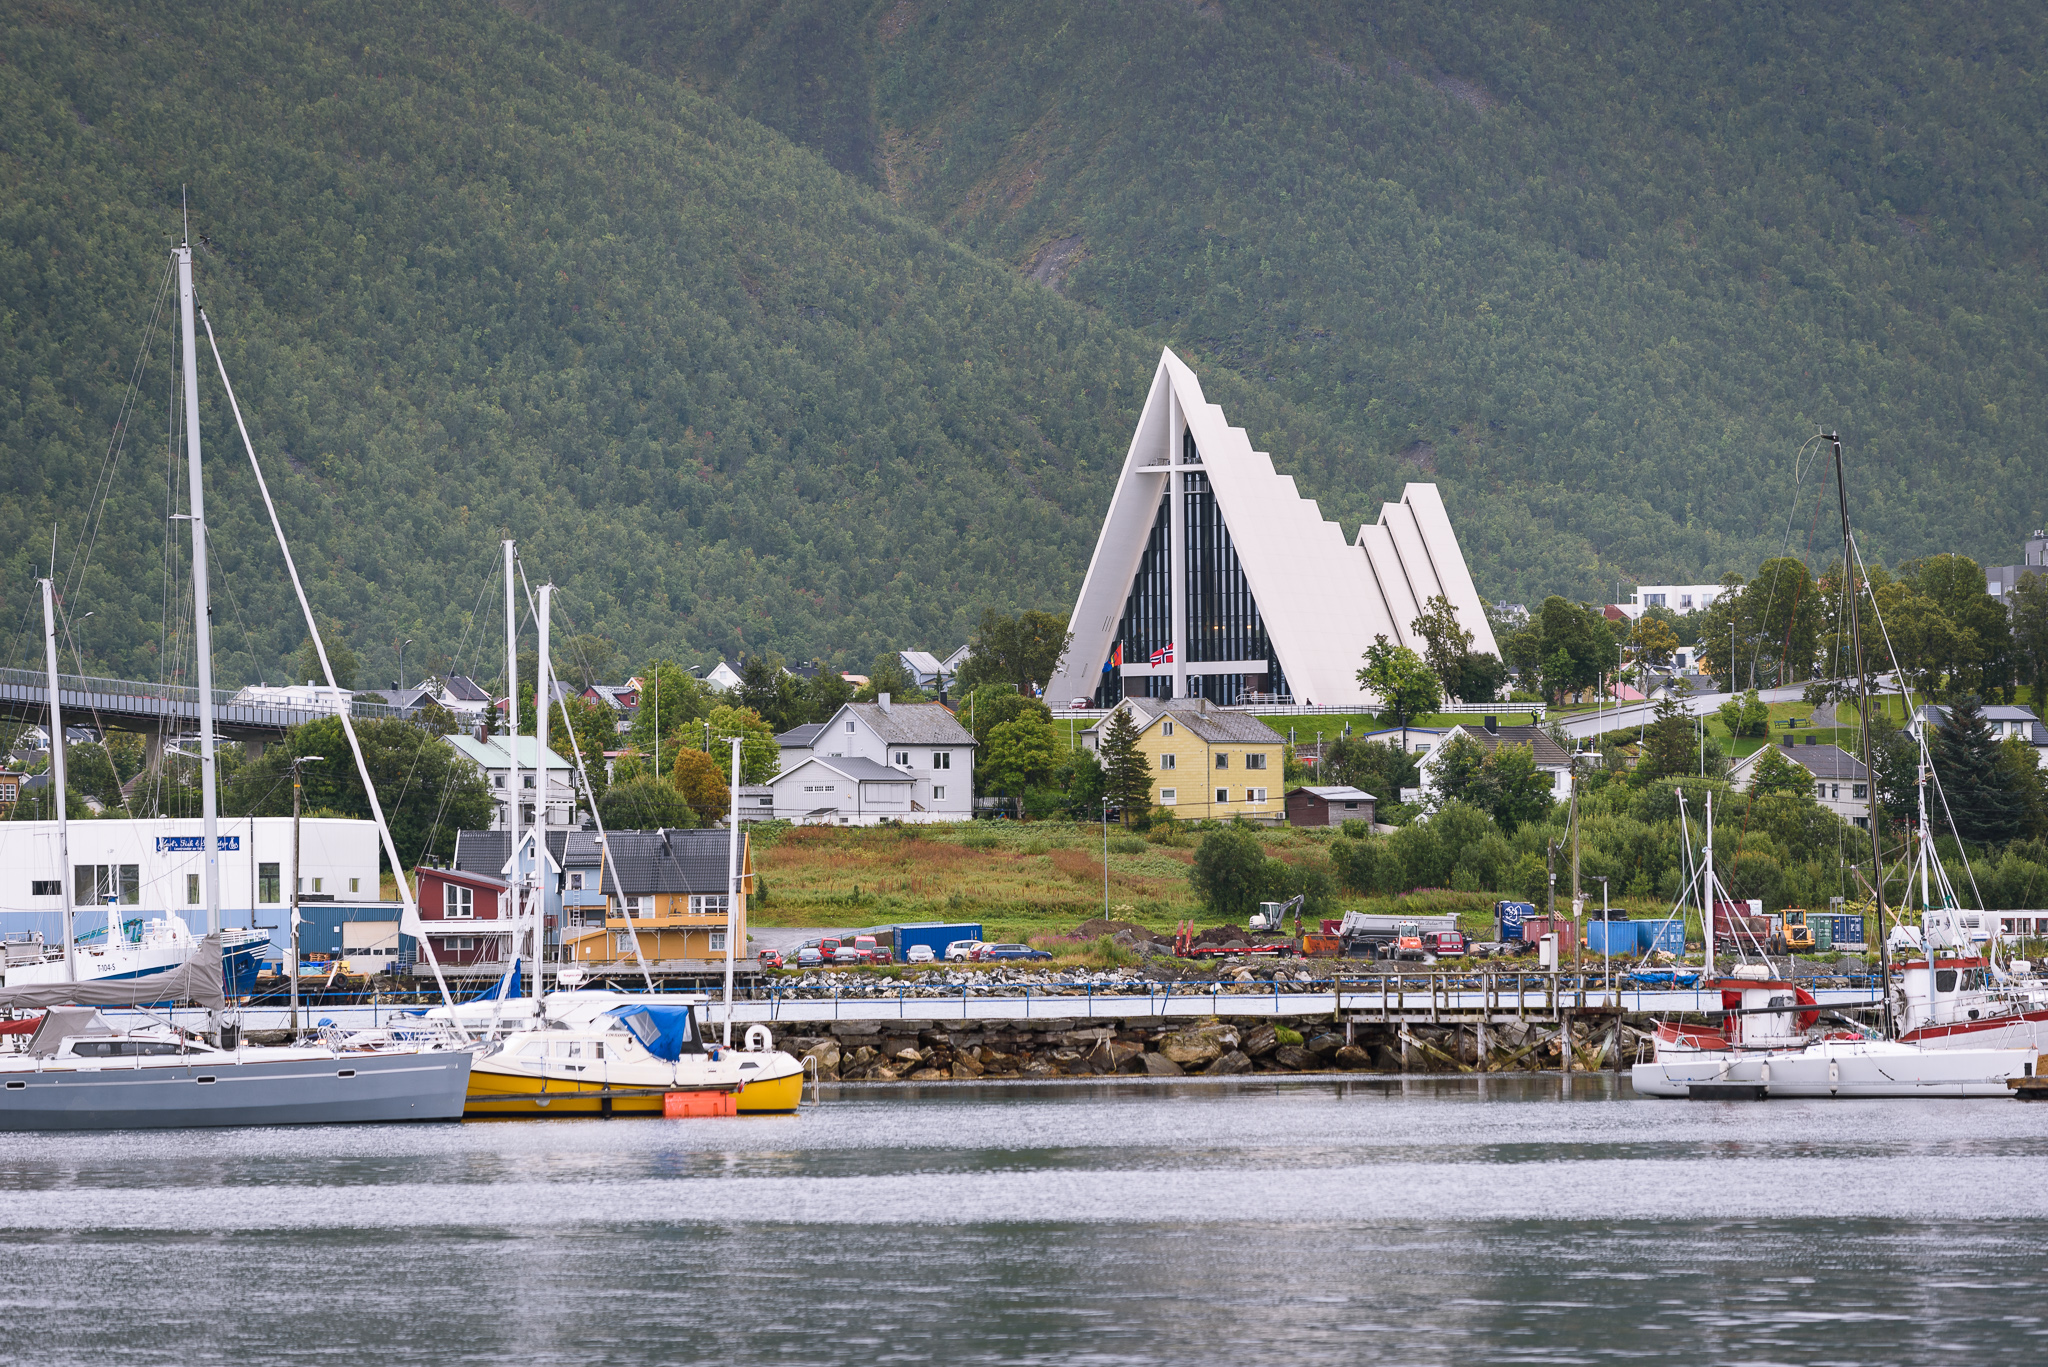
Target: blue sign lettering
(194, 844)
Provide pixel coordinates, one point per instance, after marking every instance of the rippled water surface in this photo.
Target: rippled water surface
(1301, 1222)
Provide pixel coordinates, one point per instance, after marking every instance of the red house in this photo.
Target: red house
(472, 907)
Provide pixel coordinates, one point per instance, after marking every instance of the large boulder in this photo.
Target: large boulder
(1199, 1047)
(1122, 1054)
(1262, 1040)
(964, 1066)
(1231, 1063)
(1295, 1057)
(1351, 1056)
(826, 1052)
(930, 1075)
(1329, 1042)
(1159, 1065)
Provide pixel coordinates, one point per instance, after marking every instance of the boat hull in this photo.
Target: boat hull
(503, 1094)
(240, 960)
(2016, 1030)
(1830, 1071)
(310, 1089)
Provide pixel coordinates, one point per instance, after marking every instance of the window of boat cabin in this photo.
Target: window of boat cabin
(93, 884)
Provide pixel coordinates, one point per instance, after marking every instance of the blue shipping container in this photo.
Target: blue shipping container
(1849, 932)
(1611, 937)
(937, 934)
(1508, 918)
(1668, 936)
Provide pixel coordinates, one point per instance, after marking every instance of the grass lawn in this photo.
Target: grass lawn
(1332, 724)
(1020, 881)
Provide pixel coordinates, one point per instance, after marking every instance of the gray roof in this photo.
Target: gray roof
(854, 767)
(463, 689)
(909, 723)
(645, 861)
(1822, 761)
(1210, 724)
(800, 737)
(487, 851)
(2037, 733)
(1549, 754)
(1338, 794)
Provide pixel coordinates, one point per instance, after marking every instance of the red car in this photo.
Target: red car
(771, 958)
(1446, 943)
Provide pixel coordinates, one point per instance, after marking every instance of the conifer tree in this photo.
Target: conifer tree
(1982, 805)
(1126, 773)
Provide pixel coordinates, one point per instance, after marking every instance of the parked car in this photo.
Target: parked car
(846, 954)
(771, 958)
(991, 953)
(809, 957)
(1446, 943)
(962, 951)
(871, 951)
(919, 954)
(829, 946)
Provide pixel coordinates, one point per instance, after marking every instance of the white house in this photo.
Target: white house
(724, 676)
(878, 761)
(1840, 782)
(2004, 722)
(492, 757)
(153, 866)
(310, 696)
(928, 671)
(1678, 598)
(1552, 758)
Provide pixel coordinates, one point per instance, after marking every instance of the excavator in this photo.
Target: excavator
(1269, 919)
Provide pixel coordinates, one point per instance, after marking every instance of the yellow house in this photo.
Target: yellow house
(1207, 764)
(668, 889)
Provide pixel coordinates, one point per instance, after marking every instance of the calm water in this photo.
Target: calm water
(1172, 1224)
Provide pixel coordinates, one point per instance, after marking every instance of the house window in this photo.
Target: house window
(1861, 821)
(1255, 795)
(1655, 600)
(1820, 790)
(355, 885)
(1166, 761)
(942, 759)
(1222, 760)
(1167, 797)
(191, 889)
(1223, 794)
(849, 728)
(317, 884)
(1254, 761)
(526, 780)
(622, 943)
(718, 942)
(497, 780)
(458, 903)
(269, 887)
(640, 906)
(938, 792)
(457, 944)
(576, 880)
(766, 801)
(1351, 806)
(902, 760)
(1837, 789)
(1166, 728)
(707, 904)
(1860, 790)
(47, 887)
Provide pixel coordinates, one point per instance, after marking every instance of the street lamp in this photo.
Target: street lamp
(298, 764)
(401, 664)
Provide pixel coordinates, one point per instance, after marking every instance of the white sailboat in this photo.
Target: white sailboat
(1772, 1042)
(78, 1073)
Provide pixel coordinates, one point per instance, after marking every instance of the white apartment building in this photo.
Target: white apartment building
(878, 761)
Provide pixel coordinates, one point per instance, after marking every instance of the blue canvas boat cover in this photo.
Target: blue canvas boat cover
(667, 1032)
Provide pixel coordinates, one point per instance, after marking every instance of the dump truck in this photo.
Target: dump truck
(1377, 937)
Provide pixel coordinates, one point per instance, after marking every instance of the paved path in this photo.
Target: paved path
(1587, 724)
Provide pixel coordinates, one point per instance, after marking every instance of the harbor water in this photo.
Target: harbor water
(1302, 1221)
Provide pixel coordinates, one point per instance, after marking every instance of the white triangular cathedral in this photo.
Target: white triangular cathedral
(1215, 578)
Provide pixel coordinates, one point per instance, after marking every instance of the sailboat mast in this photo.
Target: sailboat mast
(202, 609)
(57, 779)
(732, 883)
(1884, 956)
(1707, 888)
(543, 678)
(514, 884)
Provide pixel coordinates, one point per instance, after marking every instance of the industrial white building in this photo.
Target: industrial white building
(1679, 598)
(153, 866)
(1213, 562)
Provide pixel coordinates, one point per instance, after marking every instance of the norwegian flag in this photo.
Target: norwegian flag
(1163, 655)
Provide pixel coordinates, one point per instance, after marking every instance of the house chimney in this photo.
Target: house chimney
(883, 699)
(1493, 726)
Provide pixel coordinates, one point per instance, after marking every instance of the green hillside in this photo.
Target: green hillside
(472, 277)
(1598, 270)
(820, 327)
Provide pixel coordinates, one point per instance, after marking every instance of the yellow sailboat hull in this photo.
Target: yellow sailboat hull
(508, 1095)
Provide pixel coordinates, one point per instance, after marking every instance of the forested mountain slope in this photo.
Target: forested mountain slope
(1599, 268)
(471, 276)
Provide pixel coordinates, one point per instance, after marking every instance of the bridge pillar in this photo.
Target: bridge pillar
(252, 746)
(153, 750)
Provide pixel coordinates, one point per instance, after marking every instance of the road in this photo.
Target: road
(1587, 724)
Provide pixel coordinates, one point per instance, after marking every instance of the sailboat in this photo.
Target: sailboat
(1771, 1042)
(77, 1072)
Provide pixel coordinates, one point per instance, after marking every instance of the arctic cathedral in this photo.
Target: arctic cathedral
(1215, 578)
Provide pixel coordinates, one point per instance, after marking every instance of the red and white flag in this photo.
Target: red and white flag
(1163, 655)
